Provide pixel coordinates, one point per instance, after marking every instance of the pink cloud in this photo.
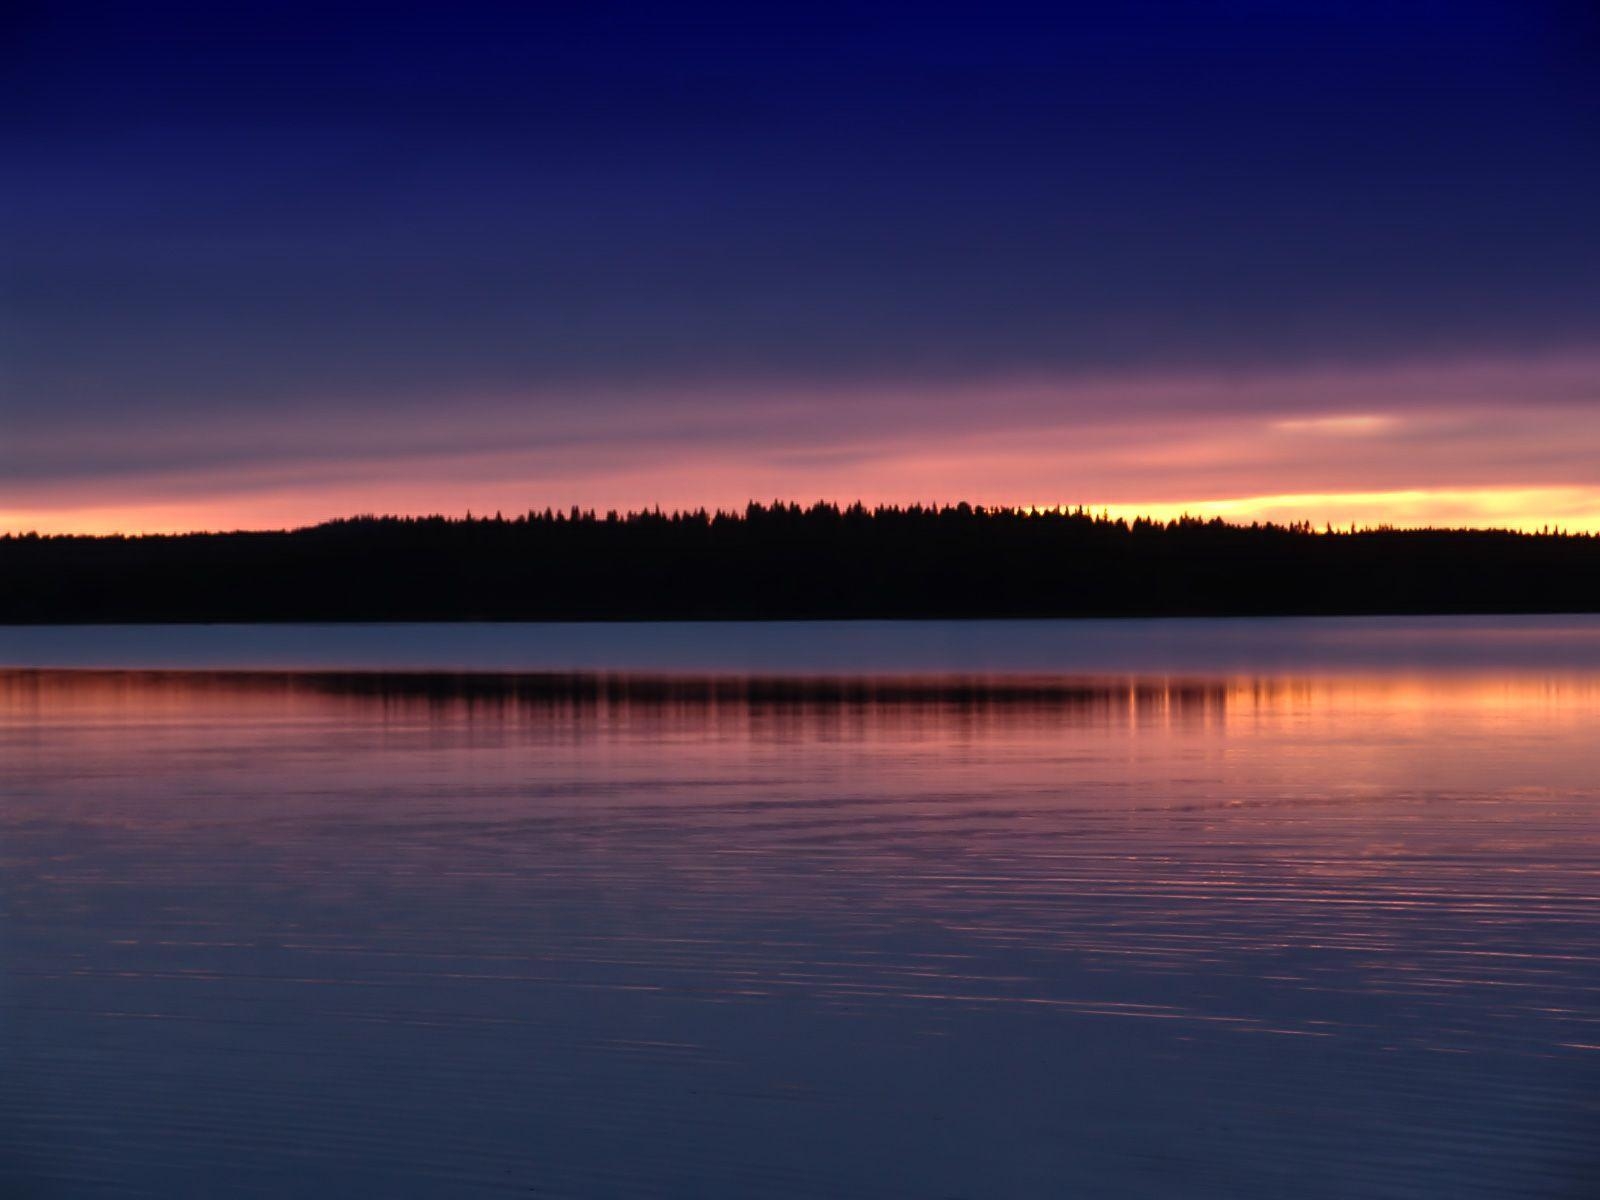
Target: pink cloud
(1508, 442)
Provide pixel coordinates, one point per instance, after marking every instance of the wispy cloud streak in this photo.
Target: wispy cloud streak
(1411, 443)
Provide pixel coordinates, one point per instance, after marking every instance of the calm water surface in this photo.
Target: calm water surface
(1212, 909)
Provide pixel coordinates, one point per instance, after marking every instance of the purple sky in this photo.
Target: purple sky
(269, 264)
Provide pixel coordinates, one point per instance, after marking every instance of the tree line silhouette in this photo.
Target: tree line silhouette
(786, 560)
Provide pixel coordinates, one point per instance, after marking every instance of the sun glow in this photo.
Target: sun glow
(1569, 509)
(1530, 510)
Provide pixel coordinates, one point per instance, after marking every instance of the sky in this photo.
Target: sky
(266, 264)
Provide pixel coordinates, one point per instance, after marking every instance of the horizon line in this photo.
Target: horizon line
(1128, 516)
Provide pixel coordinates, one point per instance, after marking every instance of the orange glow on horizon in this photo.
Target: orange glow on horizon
(1529, 510)
(1504, 444)
(1570, 509)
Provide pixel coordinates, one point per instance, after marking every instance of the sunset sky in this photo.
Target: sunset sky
(268, 264)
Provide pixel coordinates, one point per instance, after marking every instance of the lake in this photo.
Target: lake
(1231, 908)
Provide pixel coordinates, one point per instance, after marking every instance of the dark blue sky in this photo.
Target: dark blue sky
(316, 216)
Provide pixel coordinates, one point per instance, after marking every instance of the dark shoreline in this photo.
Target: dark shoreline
(787, 563)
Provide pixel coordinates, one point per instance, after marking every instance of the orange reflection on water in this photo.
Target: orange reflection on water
(1347, 731)
(697, 913)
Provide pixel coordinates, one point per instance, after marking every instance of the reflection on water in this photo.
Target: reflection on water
(977, 935)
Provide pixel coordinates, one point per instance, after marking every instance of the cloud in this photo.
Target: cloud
(1522, 430)
(1352, 425)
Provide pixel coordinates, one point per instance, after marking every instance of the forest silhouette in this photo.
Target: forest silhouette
(783, 561)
